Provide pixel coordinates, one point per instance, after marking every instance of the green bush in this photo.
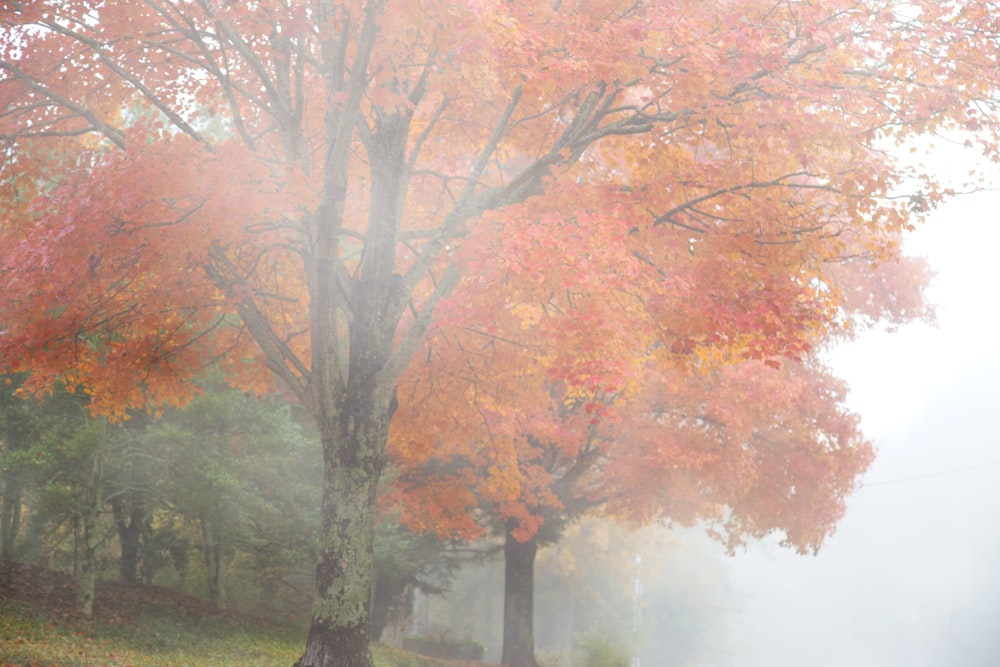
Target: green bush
(443, 646)
(597, 650)
(551, 660)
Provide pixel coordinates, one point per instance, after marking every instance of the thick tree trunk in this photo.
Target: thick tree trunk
(519, 602)
(340, 631)
(351, 384)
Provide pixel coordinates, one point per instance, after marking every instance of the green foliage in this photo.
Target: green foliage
(599, 650)
(242, 480)
(35, 453)
(443, 646)
(220, 499)
(551, 659)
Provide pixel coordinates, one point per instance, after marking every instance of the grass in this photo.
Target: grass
(33, 638)
(144, 627)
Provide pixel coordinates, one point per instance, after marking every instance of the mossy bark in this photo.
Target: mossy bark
(351, 387)
(340, 629)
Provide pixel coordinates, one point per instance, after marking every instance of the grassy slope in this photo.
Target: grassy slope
(140, 627)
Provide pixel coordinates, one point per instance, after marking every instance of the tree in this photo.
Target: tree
(32, 431)
(313, 166)
(659, 592)
(21, 433)
(566, 401)
(78, 484)
(745, 450)
(405, 563)
(239, 470)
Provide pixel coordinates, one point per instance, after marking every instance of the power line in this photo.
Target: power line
(931, 475)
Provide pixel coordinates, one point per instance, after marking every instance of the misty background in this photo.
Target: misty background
(912, 575)
(911, 578)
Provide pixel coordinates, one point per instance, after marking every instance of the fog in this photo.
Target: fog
(911, 577)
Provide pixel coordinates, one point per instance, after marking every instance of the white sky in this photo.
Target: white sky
(912, 576)
(893, 375)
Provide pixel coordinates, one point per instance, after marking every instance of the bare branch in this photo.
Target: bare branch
(113, 134)
(99, 50)
(280, 359)
(401, 356)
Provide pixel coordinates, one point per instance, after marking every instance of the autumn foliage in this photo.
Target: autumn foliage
(564, 212)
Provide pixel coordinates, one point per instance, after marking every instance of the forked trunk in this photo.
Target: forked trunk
(519, 601)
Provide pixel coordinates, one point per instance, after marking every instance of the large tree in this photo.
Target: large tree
(745, 449)
(309, 169)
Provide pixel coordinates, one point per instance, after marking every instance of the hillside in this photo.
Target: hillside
(140, 626)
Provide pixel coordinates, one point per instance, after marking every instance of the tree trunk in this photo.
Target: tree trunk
(10, 516)
(212, 553)
(86, 576)
(129, 520)
(519, 601)
(340, 630)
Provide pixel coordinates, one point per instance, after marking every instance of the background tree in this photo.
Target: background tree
(406, 563)
(659, 593)
(21, 427)
(78, 484)
(567, 400)
(243, 472)
(367, 137)
(34, 431)
(744, 450)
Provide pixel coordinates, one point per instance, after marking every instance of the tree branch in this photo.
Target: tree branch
(113, 134)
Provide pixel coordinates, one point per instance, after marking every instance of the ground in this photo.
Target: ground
(41, 588)
(143, 626)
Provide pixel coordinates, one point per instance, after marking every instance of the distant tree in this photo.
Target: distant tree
(744, 450)
(406, 563)
(72, 493)
(21, 424)
(240, 469)
(661, 593)
(570, 402)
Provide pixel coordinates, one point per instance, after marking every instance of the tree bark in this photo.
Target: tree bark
(86, 576)
(10, 516)
(353, 405)
(129, 516)
(519, 601)
(354, 454)
(212, 554)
